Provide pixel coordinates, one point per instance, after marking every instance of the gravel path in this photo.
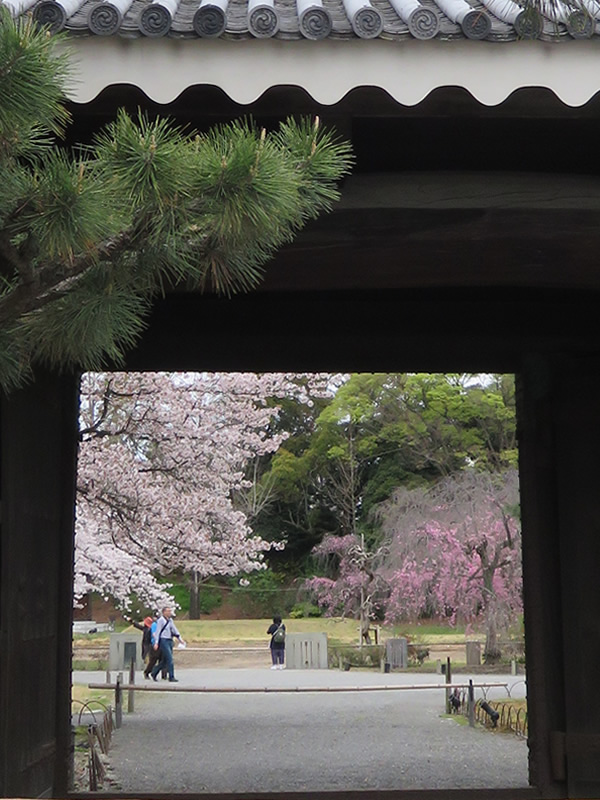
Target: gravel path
(293, 742)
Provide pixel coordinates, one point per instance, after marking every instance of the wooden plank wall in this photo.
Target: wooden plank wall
(37, 456)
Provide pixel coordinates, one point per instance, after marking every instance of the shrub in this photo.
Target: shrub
(305, 609)
(367, 656)
(209, 598)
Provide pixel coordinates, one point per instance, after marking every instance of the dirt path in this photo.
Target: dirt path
(270, 742)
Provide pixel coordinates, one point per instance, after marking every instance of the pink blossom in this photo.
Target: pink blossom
(161, 458)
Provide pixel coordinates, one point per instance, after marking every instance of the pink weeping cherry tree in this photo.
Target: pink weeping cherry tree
(452, 550)
(455, 552)
(355, 587)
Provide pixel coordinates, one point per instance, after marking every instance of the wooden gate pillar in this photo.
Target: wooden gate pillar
(541, 572)
(559, 446)
(577, 426)
(38, 445)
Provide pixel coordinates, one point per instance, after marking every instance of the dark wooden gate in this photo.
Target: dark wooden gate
(38, 450)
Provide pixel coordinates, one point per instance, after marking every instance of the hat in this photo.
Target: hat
(148, 621)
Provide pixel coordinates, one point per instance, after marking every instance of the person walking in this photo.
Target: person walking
(163, 643)
(154, 655)
(146, 628)
(277, 633)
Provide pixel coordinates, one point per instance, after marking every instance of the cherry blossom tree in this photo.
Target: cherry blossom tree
(161, 457)
(451, 550)
(454, 550)
(357, 588)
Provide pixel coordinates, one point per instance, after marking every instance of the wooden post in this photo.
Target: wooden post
(93, 775)
(448, 680)
(118, 701)
(471, 705)
(131, 692)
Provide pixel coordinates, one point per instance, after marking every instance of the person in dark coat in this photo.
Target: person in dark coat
(277, 633)
(148, 627)
(147, 650)
(146, 636)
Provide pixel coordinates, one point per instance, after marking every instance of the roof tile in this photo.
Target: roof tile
(493, 20)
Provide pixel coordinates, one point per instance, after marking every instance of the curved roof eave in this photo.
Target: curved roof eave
(328, 70)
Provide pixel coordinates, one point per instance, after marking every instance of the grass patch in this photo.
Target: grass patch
(95, 697)
(93, 664)
(431, 632)
(513, 717)
(93, 639)
(102, 637)
(460, 719)
(250, 631)
(517, 703)
(367, 657)
(339, 631)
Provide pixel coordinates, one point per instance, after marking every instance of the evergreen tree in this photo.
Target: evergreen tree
(348, 454)
(89, 238)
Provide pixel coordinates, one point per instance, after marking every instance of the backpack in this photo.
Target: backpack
(279, 635)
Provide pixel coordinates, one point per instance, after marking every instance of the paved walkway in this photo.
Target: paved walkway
(293, 742)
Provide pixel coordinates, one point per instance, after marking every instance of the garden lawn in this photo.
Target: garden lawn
(339, 631)
(250, 631)
(81, 694)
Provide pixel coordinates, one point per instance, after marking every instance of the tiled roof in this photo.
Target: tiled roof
(493, 20)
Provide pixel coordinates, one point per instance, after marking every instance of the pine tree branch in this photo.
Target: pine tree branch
(55, 280)
(161, 206)
(11, 261)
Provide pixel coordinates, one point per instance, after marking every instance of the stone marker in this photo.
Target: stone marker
(473, 654)
(124, 647)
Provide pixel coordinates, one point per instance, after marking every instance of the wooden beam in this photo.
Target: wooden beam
(390, 330)
(434, 247)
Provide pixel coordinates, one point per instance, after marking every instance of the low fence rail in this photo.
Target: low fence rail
(119, 687)
(130, 687)
(510, 717)
(98, 740)
(503, 714)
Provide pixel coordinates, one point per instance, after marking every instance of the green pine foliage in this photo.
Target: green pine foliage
(33, 76)
(89, 238)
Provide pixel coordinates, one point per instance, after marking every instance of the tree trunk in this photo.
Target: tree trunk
(195, 596)
(365, 628)
(492, 652)
(365, 623)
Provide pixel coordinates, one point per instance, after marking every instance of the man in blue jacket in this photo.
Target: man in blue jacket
(163, 642)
